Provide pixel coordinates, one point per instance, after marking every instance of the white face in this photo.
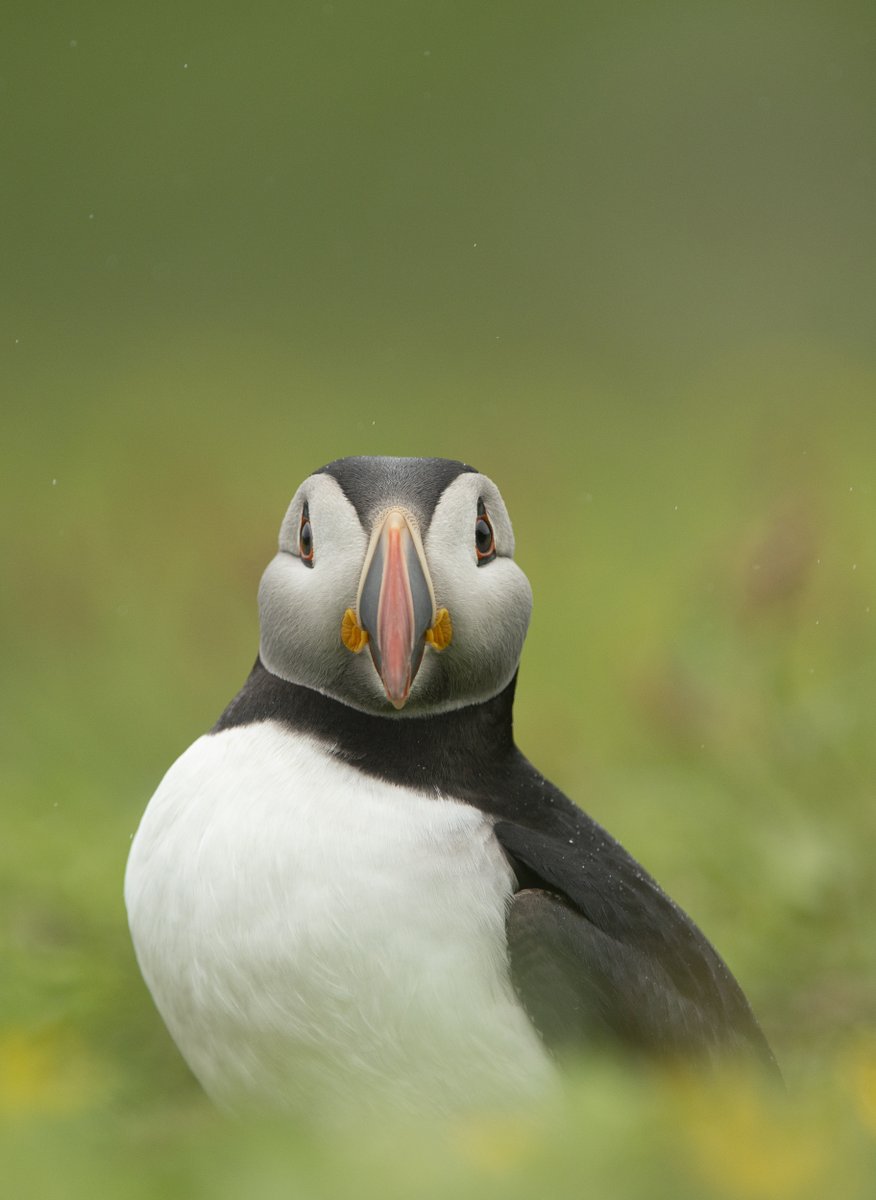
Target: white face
(302, 606)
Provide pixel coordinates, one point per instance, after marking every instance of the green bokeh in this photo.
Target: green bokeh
(620, 257)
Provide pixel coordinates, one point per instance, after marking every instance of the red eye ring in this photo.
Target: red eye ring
(305, 539)
(485, 539)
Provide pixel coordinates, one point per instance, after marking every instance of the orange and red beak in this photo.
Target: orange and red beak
(396, 605)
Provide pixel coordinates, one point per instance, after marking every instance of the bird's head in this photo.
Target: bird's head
(394, 589)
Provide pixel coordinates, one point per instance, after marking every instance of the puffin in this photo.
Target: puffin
(355, 893)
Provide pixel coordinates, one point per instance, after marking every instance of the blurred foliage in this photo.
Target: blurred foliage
(619, 256)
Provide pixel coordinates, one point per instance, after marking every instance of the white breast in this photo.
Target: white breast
(317, 939)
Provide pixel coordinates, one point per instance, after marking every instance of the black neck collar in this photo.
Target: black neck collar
(449, 751)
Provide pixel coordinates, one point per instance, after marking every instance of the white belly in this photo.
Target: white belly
(319, 940)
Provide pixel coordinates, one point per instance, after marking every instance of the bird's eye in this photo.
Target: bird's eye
(485, 542)
(305, 539)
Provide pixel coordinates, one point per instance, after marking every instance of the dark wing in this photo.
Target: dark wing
(600, 954)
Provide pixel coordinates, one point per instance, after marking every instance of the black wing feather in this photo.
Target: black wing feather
(599, 953)
(580, 986)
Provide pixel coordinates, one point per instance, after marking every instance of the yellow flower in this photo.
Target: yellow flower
(857, 1069)
(45, 1071)
(751, 1145)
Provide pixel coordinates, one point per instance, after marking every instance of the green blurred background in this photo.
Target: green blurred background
(620, 256)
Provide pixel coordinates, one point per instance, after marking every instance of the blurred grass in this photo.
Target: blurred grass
(619, 257)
